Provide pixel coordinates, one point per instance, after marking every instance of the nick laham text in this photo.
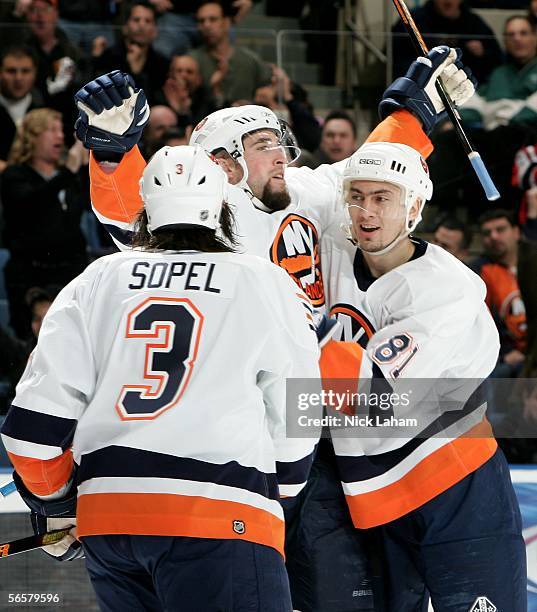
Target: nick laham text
(347, 420)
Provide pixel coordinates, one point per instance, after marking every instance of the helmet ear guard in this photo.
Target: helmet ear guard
(183, 186)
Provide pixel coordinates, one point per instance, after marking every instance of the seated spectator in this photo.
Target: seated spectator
(449, 22)
(338, 138)
(500, 119)
(454, 236)
(498, 269)
(185, 92)
(43, 204)
(507, 97)
(233, 73)
(61, 65)
(162, 118)
(298, 114)
(135, 53)
(18, 71)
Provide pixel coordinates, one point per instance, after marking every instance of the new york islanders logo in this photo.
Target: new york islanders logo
(354, 326)
(296, 250)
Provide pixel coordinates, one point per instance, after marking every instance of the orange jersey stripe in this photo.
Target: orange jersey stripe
(176, 515)
(43, 477)
(432, 476)
(115, 195)
(402, 127)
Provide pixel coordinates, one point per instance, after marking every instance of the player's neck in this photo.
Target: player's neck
(381, 264)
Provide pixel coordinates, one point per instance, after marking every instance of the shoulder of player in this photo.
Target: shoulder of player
(436, 273)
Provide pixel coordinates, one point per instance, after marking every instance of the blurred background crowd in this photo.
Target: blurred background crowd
(321, 65)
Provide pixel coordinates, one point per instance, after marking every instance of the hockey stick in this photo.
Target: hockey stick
(475, 159)
(36, 541)
(7, 489)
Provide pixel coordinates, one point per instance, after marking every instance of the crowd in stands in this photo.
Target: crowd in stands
(185, 55)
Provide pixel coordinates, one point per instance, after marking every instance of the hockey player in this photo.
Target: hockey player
(281, 213)
(157, 390)
(438, 491)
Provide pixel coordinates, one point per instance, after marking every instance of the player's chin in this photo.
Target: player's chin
(276, 199)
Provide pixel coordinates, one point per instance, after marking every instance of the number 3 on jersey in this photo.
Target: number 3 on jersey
(172, 328)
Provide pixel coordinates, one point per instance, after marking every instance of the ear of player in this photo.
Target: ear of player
(53, 514)
(112, 113)
(417, 92)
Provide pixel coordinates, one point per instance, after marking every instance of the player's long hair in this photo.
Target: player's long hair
(34, 124)
(186, 238)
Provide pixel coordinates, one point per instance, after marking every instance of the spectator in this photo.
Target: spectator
(501, 118)
(508, 96)
(498, 269)
(135, 53)
(177, 26)
(454, 236)
(162, 118)
(57, 56)
(338, 138)
(18, 70)
(233, 73)
(185, 92)
(84, 20)
(42, 202)
(298, 114)
(452, 23)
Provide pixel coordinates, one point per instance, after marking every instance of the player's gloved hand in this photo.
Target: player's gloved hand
(47, 515)
(416, 91)
(325, 328)
(112, 113)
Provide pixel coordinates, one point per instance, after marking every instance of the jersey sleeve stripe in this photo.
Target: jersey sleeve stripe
(43, 477)
(38, 428)
(124, 462)
(176, 515)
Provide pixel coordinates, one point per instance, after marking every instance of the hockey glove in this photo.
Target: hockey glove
(416, 91)
(112, 113)
(47, 515)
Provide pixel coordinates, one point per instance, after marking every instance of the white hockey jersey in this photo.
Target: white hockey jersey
(163, 375)
(423, 328)
(289, 238)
